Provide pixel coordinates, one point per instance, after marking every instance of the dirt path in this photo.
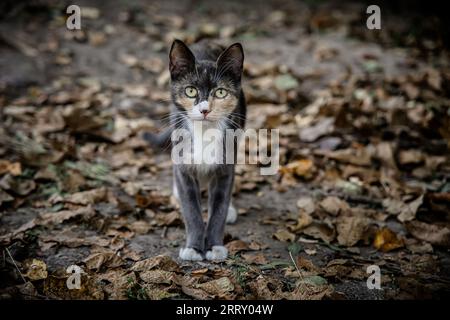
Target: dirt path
(364, 148)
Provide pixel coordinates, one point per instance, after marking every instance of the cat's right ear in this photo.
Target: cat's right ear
(181, 59)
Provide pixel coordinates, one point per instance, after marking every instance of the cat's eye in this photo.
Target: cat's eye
(191, 92)
(220, 93)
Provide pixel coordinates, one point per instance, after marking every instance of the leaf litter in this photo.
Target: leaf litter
(364, 167)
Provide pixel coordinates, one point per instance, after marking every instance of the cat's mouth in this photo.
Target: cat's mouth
(203, 118)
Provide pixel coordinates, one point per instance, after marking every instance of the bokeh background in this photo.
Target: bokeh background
(364, 119)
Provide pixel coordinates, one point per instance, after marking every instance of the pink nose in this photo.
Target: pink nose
(205, 112)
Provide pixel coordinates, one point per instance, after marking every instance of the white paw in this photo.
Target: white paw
(217, 253)
(232, 214)
(190, 254)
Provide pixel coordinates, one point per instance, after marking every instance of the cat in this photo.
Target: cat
(206, 91)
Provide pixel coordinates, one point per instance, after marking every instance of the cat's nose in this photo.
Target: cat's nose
(205, 112)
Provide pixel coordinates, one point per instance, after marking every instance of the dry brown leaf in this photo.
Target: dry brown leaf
(351, 229)
(252, 258)
(284, 235)
(254, 245)
(13, 168)
(36, 270)
(435, 234)
(168, 219)
(64, 215)
(334, 205)
(84, 198)
(157, 276)
(404, 211)
(358, 156)
(266, 288)
(303, 221)
(220, 288)
(199, 271)
(305, 290)
(119, 281)
(140, 227)
(314, 132)
(306, 204)
(303, 168)
(412, 156)
(196, 293)
(236, 246)
(161, 261)
(107, 259)
(306, 264)
(320, 230)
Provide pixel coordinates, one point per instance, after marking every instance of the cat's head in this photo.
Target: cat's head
(205, 90)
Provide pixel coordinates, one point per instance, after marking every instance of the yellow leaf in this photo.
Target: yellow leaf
(37, 270)
(386, 240)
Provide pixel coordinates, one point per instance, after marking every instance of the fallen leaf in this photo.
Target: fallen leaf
(13, 168)
(107, 259)
(36, 270)
(161, 261)
(199, 271)
(157, 276)
(303, 168)
(303, 221)
(306, 204)
(168, 219)
(432, 233)
(320, 230)
(407, 157)
(404, 211)
(84, 198)
(266, 288)
(220, 288)
(351, 229)
(334, 205)
(314, 132)
(284, 235)
(140, 227)
(195, 293)
(119, 283)
(252, 258)
(47, 218)
(236, 246)
(386, 240)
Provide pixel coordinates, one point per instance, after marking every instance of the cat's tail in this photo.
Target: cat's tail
(159, 140)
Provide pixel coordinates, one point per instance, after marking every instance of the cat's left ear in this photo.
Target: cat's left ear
(232, 60)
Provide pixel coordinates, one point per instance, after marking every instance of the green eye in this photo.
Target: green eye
(191, 92)
(220, 93)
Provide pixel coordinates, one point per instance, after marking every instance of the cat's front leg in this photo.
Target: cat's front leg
(190, 205)
(220, 188)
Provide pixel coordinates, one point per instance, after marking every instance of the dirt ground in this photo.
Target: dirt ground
(364, 135)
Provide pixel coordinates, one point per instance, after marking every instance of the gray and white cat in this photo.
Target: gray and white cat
(206, 90)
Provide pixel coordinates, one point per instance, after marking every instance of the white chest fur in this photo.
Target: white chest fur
(207, 146)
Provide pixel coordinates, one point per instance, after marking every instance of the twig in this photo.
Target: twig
(307, 285)
(9, 253)
(164, 233)
(295, 264)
